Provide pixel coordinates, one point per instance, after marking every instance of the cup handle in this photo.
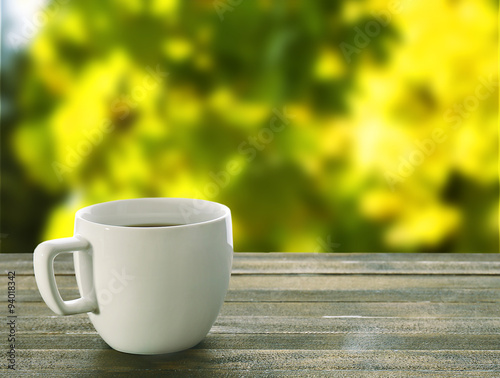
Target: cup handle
(43, 262)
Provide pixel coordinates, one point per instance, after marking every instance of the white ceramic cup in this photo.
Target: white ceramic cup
(147, 290)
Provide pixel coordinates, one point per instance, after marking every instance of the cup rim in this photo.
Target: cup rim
(84, 210)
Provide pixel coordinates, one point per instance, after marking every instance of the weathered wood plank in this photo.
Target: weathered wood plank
(259, 360)
(361, 282)
(364, 288)
(300, 257)
(307, 296)
(390, 315)
(351, 265)
(350, 309)
(320, 309)
(285, 325)
(80, 324)
(311, 341)
(300, 263)
(201, 373)
(318, 282)
(375, 295)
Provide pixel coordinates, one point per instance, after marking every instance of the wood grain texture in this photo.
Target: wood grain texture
(290, 341)
(211, 360)
(340, 315)
(319, 263)
(39, 310)
(326, 288)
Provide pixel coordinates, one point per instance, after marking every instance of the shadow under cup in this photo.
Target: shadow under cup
(156, 288)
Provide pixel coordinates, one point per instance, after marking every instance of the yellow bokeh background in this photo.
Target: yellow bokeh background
(349, 126)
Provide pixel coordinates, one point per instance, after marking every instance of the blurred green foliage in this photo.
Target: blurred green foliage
(327, 126)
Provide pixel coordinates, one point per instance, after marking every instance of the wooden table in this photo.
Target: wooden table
(368, 315)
